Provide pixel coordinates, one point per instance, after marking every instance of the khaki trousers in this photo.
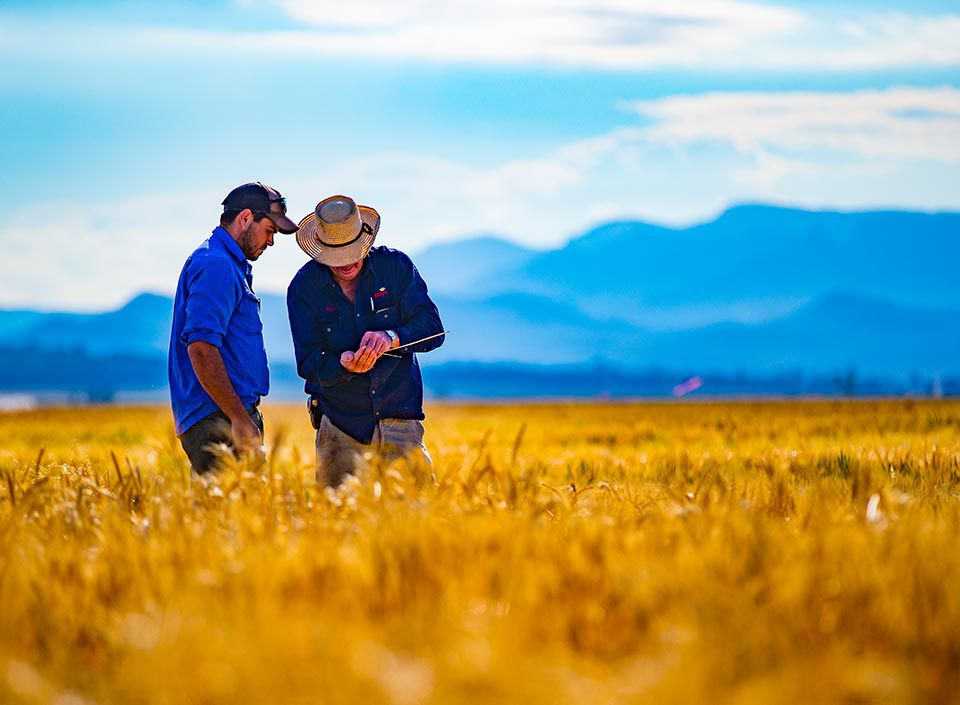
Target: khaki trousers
(339, 454)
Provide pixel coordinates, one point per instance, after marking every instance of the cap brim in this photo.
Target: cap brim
(283, 223)
(338, 256)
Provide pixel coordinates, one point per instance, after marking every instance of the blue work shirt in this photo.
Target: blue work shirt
(215, 304)
(390, 295)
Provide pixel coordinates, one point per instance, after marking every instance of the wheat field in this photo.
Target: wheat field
(776, 552)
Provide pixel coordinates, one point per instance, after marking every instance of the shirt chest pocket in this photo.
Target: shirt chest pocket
(386, 315)
(250, 321)
(338, 334)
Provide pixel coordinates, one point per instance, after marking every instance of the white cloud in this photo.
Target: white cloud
(897, 123)
(694, 154)
(691, 157)
(600, 34)
(95, 254)
(767, 140)
(892, 39)
(731, 36)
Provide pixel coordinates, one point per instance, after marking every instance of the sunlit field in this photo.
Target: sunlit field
(649, 553)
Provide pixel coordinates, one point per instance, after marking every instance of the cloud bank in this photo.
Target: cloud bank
(623, 35)
(892, 148)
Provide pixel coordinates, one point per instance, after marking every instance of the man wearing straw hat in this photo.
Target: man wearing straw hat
(217, 364)
(349, 307)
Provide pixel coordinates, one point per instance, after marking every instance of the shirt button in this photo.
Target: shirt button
(328, 330)
(373, 391)
(358, 315)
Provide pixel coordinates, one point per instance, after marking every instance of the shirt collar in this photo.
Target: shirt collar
(229, 244)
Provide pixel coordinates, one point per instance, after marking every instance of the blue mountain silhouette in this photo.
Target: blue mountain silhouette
(751, 264)
(759, 289)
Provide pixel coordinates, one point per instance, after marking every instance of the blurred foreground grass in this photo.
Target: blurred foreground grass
(661, 553)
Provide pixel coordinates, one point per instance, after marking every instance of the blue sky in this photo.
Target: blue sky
(123, 124)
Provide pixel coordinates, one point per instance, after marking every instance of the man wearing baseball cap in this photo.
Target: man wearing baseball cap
(217, 363)
(358, 315)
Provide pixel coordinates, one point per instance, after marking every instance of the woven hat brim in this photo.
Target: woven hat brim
(338, 256)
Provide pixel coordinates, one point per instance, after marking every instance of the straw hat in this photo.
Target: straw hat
(338, 232)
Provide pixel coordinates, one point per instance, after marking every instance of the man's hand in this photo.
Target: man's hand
(246, 434)
(358, 362)
(373, 344)
(378, 340)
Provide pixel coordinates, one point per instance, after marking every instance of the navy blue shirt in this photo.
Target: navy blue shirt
(215, 304)
(390, 295)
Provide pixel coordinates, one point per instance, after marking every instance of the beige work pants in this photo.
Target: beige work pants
(339, 454)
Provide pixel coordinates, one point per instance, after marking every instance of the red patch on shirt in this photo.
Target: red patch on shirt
(380, 293)
(331, 308)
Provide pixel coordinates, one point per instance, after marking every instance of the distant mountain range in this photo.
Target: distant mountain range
(760, 290)
(752, 263)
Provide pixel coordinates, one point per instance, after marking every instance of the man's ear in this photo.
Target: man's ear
(244, 218)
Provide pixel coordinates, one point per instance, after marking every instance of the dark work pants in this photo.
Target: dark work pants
(212, 430)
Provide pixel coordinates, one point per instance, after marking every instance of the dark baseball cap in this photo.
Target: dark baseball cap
(261, 198)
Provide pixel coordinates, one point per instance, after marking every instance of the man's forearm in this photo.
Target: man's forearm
(210, 370)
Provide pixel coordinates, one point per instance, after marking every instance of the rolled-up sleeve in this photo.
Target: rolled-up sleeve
(212, 294)
(317, 363)
(418, 314)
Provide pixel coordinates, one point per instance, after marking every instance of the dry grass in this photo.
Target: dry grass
(723, 553)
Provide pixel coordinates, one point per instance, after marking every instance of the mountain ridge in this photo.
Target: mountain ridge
(830, 290)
